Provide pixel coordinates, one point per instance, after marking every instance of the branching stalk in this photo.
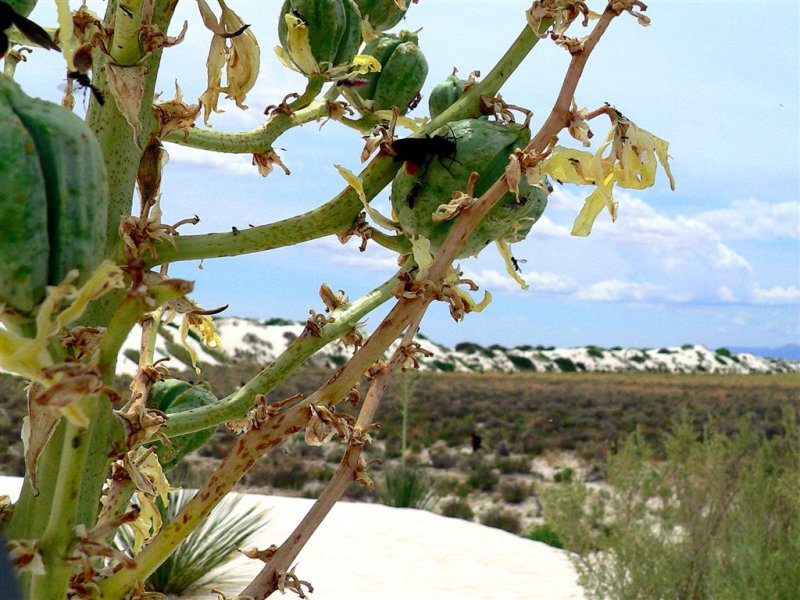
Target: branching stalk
(237, 404)
(338, 214)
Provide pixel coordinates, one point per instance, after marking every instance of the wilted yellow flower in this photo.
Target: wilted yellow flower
(235, 47)
(630, 163)
(203, 326)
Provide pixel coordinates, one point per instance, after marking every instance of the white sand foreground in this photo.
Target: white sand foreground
(373, 551)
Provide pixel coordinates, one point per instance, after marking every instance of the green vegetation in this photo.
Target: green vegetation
(407, 487)
(717, 516)
(457, 509)
(546, 535)
(521, 362)
(595, 352)
(500, 518)
(472, 348)
(212, 544)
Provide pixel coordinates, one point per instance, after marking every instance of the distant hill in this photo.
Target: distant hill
(787, 352)
(255, 341)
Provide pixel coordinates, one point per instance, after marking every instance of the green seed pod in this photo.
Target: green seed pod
(53, 197)
(382, 15)
(175, 396)
(334, 34)
(21, 7)
(403, 72)
(445, 94)
(478, 145)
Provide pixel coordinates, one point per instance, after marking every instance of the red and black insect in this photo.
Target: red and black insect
(351, 82)
(28, 28)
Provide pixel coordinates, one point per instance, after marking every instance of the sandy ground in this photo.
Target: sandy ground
(373, 551)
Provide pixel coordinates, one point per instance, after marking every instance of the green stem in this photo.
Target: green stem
(249, 448)
(126, 47)
(237, 404)
(256, 140)
(313, 88)
(338, 214)
(58, 534)
(120, 151)
(335, 216)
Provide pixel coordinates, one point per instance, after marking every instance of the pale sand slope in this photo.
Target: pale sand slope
(373, 551)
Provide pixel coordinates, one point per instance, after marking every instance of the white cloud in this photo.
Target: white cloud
(739, 320)
(548, 283)
(546, 228)
(754, 220)
(236, 164)
(728, 259)
(776, 295)
(725, 294)
(616, 290)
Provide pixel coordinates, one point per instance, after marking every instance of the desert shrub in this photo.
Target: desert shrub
(472, 348)
(545, 534)
(563, 475)
(513, 464)
(482, 478)
(521, 362)
(445, 366)
(565, 364)
(360, 493)
(338, 359)
(514, 492)
(209, 546)
(278, 321)
(407, 487)
(290, 475)
(441, 458)
(500, 518)
(594, 352)
(457, 509)
(320, 472)
(718, 517)
(335, 453)
(393, 448)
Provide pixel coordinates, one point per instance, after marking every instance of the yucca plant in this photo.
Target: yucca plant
(194, 563)
(85, 256)
(407, 487)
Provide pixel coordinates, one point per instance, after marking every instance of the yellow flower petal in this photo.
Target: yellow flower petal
(591, 208)
(421, 249)
(568, 165)
(355, 182)
(66, 36)
(505, 252)
(298, 44)
(363, 64)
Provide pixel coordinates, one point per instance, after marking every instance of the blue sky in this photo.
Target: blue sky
(715, 262)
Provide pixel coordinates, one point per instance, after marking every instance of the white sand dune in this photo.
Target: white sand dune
(373, 551)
